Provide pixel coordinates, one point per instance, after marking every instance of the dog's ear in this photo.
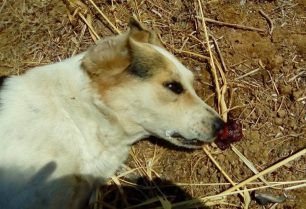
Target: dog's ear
(140, 33)
(108, 57)
(144, 60)
(113, 55)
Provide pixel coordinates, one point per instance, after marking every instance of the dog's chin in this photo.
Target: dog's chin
(187, 143)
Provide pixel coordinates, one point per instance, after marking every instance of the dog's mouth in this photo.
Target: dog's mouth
(178, 139)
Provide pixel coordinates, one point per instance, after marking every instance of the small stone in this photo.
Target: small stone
(255, 135)
(297, 94)
(292, 124)
(281, 113)
(201, 171)
(254, 116)
(278, 121)
(285, 89)
(278, 59)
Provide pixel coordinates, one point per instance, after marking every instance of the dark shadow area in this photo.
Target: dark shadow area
(144, 194)
(42, 191)
(2, 79)
(18, 189)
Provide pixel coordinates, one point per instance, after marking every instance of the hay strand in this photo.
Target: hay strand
(105, 17)
(268, 170)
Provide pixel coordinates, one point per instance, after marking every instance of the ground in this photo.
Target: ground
(265, 73)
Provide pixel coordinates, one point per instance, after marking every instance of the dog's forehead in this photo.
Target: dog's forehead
(179, 67)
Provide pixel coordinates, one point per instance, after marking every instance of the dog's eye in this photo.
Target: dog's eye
(174, 86)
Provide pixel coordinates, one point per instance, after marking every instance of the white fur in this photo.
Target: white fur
(185, 74)
(52, 114)
(54, 125)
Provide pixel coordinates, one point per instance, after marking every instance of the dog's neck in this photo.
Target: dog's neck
(132, 131)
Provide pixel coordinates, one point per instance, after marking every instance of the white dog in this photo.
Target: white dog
(67, 124)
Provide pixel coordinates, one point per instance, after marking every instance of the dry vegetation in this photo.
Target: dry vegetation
(249, 61)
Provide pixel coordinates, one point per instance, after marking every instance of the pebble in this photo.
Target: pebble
(284, 89)
(255, 135)
(202, 171)
(281, 113)
(278, 121)
(297, 94)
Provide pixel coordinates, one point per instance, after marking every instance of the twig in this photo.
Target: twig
(295, 187)
(90, 27)
(221, 102)
(219, 53)
(271, 183)
(105, 18)
(212, 64)
(273, 83)
(191, 53)
(249, 190)
(249, 164)
(232, 25)
(205, 199)
(268, 170)
(218, 166)
(182, 51)
(248, 73)
(220, 94)
(301, 99)
(2, 6)
(270, 22)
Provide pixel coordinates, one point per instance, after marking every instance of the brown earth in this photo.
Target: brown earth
(270, 102)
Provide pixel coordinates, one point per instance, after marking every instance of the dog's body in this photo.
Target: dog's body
(66, 125)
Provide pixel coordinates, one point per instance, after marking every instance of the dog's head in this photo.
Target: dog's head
(147, 86)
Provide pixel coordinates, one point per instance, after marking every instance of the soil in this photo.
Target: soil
(270, 102)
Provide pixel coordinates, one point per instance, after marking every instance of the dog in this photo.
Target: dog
(68, 125)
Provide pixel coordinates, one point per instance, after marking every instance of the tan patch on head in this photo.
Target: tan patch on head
(170, 74)
(145, 63)
(188, 99)
(123, 54)
(142, 34)
(108, 57)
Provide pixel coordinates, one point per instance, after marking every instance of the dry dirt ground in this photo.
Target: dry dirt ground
(266, 74)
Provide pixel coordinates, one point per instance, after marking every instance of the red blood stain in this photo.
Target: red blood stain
(232, 132)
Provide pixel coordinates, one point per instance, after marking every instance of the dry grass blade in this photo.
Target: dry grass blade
(270, 22)
(248, 73)
(247, 198)
(218, 166)
(220, 94)
(212, 64)
(105, 17)
(165, 203)
(195, 202)
(145, 203)
(93, 33)
(232, 25)
(271, 183)
(249, 164)
(191, 53)
(295, 187)
(2, 6)
(145, 173)
(268, 170)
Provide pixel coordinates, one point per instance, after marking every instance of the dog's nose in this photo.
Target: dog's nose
(218, 125)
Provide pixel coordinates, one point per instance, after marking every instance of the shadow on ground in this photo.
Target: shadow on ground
(145, 194)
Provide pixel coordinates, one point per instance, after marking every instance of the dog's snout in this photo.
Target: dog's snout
(218, 125)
